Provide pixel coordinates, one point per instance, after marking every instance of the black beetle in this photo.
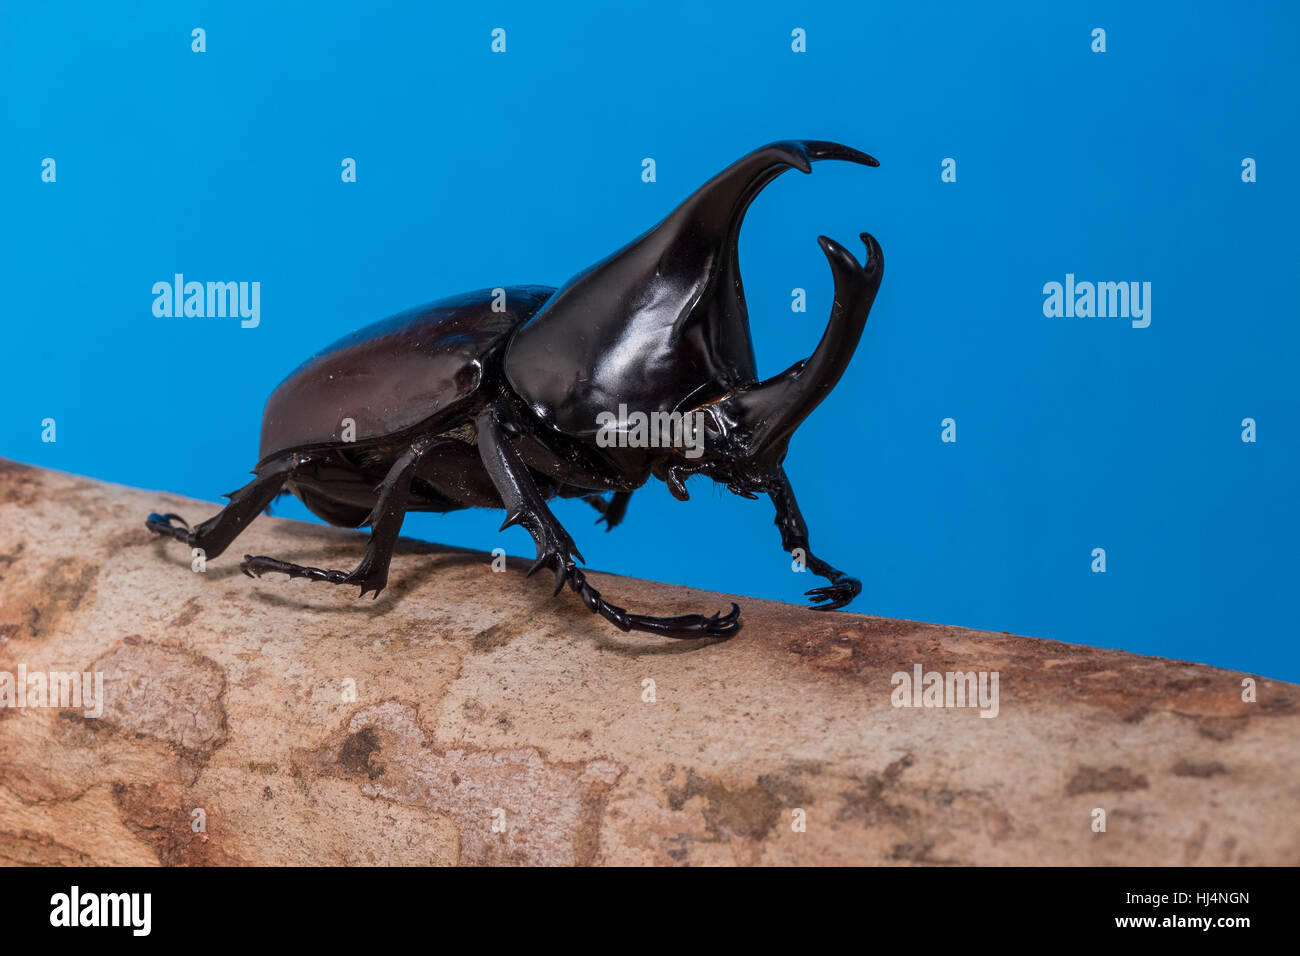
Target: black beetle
(503, 398)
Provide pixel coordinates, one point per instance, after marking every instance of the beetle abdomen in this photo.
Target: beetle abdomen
(395, 374)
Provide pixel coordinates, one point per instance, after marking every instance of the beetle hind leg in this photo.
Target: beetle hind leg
(216, 534)
(385, 521)
(163, 524)
(255, 565)
(371, 573)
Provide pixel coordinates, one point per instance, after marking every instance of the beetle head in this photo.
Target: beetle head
(746, 433)
(662, 325)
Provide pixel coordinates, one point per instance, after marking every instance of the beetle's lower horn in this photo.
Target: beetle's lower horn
(779, 405)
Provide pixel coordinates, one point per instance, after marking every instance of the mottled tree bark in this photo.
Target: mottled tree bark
(467, 716)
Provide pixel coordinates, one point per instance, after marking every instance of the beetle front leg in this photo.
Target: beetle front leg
(794, 534)
(555, 549)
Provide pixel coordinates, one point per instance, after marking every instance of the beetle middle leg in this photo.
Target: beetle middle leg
(524, 506)
(385, 521)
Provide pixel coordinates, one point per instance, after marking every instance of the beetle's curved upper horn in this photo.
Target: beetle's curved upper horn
(717, 208)
(774, 408)
(704, 233)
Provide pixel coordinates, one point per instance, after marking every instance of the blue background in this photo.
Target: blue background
(478, 169)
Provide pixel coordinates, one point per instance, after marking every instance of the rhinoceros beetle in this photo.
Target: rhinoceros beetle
(496, 399)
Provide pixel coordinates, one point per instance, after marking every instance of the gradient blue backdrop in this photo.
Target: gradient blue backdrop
(478, 169)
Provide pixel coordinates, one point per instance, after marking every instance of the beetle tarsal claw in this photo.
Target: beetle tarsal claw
(838, 593)
(162, 524)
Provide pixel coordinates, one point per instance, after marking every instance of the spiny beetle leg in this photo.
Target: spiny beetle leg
(215, 534)
(259, 564)
(794, 535)
(690, 625)
(555, 549)
(385, 521)
(683, 626)
(255, 565)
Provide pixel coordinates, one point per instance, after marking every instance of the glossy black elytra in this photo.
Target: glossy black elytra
(494, 399)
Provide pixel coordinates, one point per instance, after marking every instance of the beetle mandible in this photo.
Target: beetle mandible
(471, 402)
